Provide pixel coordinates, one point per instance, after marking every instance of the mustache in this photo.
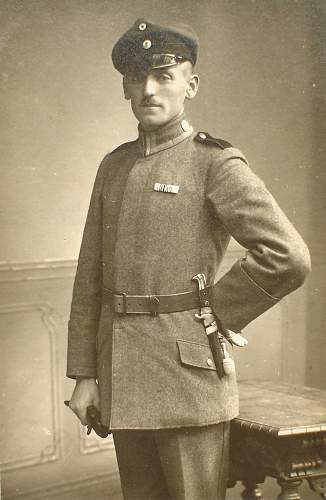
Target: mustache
(149, 102)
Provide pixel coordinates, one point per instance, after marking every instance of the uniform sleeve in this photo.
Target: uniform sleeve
(86, 299)
(277, 259)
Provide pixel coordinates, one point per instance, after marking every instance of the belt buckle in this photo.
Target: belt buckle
(153, 303)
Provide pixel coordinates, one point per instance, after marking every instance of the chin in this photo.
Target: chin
(151, 124)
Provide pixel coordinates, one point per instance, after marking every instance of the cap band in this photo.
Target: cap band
(154, 61)
(163, 60)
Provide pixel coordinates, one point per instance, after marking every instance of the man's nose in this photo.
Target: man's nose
(149, 86)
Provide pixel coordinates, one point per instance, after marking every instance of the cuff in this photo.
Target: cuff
(237, 299)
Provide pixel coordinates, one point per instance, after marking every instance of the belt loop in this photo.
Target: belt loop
(153, 305)
(124, 303)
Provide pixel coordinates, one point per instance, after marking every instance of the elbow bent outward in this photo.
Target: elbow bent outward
(299, 265)
(278, 272)
(294, 269)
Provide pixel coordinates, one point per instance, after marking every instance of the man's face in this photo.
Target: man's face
(158, 95)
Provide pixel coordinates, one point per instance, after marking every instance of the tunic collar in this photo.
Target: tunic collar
(164, 137)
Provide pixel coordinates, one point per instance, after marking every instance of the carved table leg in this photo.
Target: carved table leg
(289, 489)
(318, 485)
(251, 491)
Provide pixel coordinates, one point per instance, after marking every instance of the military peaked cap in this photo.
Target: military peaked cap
(148, 46)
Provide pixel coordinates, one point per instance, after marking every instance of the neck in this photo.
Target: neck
(166, 136)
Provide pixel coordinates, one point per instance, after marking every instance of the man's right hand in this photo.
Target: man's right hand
(85, 394)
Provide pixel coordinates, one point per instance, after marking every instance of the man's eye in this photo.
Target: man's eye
(164, 77)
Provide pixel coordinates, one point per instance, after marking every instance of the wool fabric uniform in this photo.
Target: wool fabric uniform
(169, 464)
(163, 209)
(156, 372)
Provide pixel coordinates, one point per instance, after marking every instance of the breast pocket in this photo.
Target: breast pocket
(195, 355)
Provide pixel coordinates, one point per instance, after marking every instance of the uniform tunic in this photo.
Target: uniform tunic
(156, 371)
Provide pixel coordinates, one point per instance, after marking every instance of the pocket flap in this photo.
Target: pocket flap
(194, 354)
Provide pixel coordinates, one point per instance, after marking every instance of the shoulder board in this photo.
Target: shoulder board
(122, 146)
(206, 138)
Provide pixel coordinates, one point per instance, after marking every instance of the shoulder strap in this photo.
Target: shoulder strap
(206, 138)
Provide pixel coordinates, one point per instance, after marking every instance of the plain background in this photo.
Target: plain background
(263, 85)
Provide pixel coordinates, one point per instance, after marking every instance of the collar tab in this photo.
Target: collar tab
(164, 137)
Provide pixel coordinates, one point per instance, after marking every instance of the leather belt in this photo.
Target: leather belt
(150, 304)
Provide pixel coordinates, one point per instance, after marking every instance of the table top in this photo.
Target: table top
(281, 409)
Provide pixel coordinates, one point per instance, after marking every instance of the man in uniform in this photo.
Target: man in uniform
(163, 209)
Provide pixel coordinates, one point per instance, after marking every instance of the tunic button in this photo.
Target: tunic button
(142, 26)
(209, 362)
(202, 135)
(147, 44)
(185, 125)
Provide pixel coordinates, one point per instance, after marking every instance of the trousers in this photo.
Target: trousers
(189, 463)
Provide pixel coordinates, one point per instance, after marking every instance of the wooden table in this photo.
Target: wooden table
(281, 432)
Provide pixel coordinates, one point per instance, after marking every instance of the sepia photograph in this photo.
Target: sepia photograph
(162, 256)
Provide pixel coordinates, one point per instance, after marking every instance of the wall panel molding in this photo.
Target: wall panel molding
(92, 443)
(50, 298)
(65, 268)
(111, 479)
(38, 270)
(52, 452)
(44, 459)
(285, 340)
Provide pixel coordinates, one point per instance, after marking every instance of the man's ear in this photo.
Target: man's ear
(126, 89)
(193, 85)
